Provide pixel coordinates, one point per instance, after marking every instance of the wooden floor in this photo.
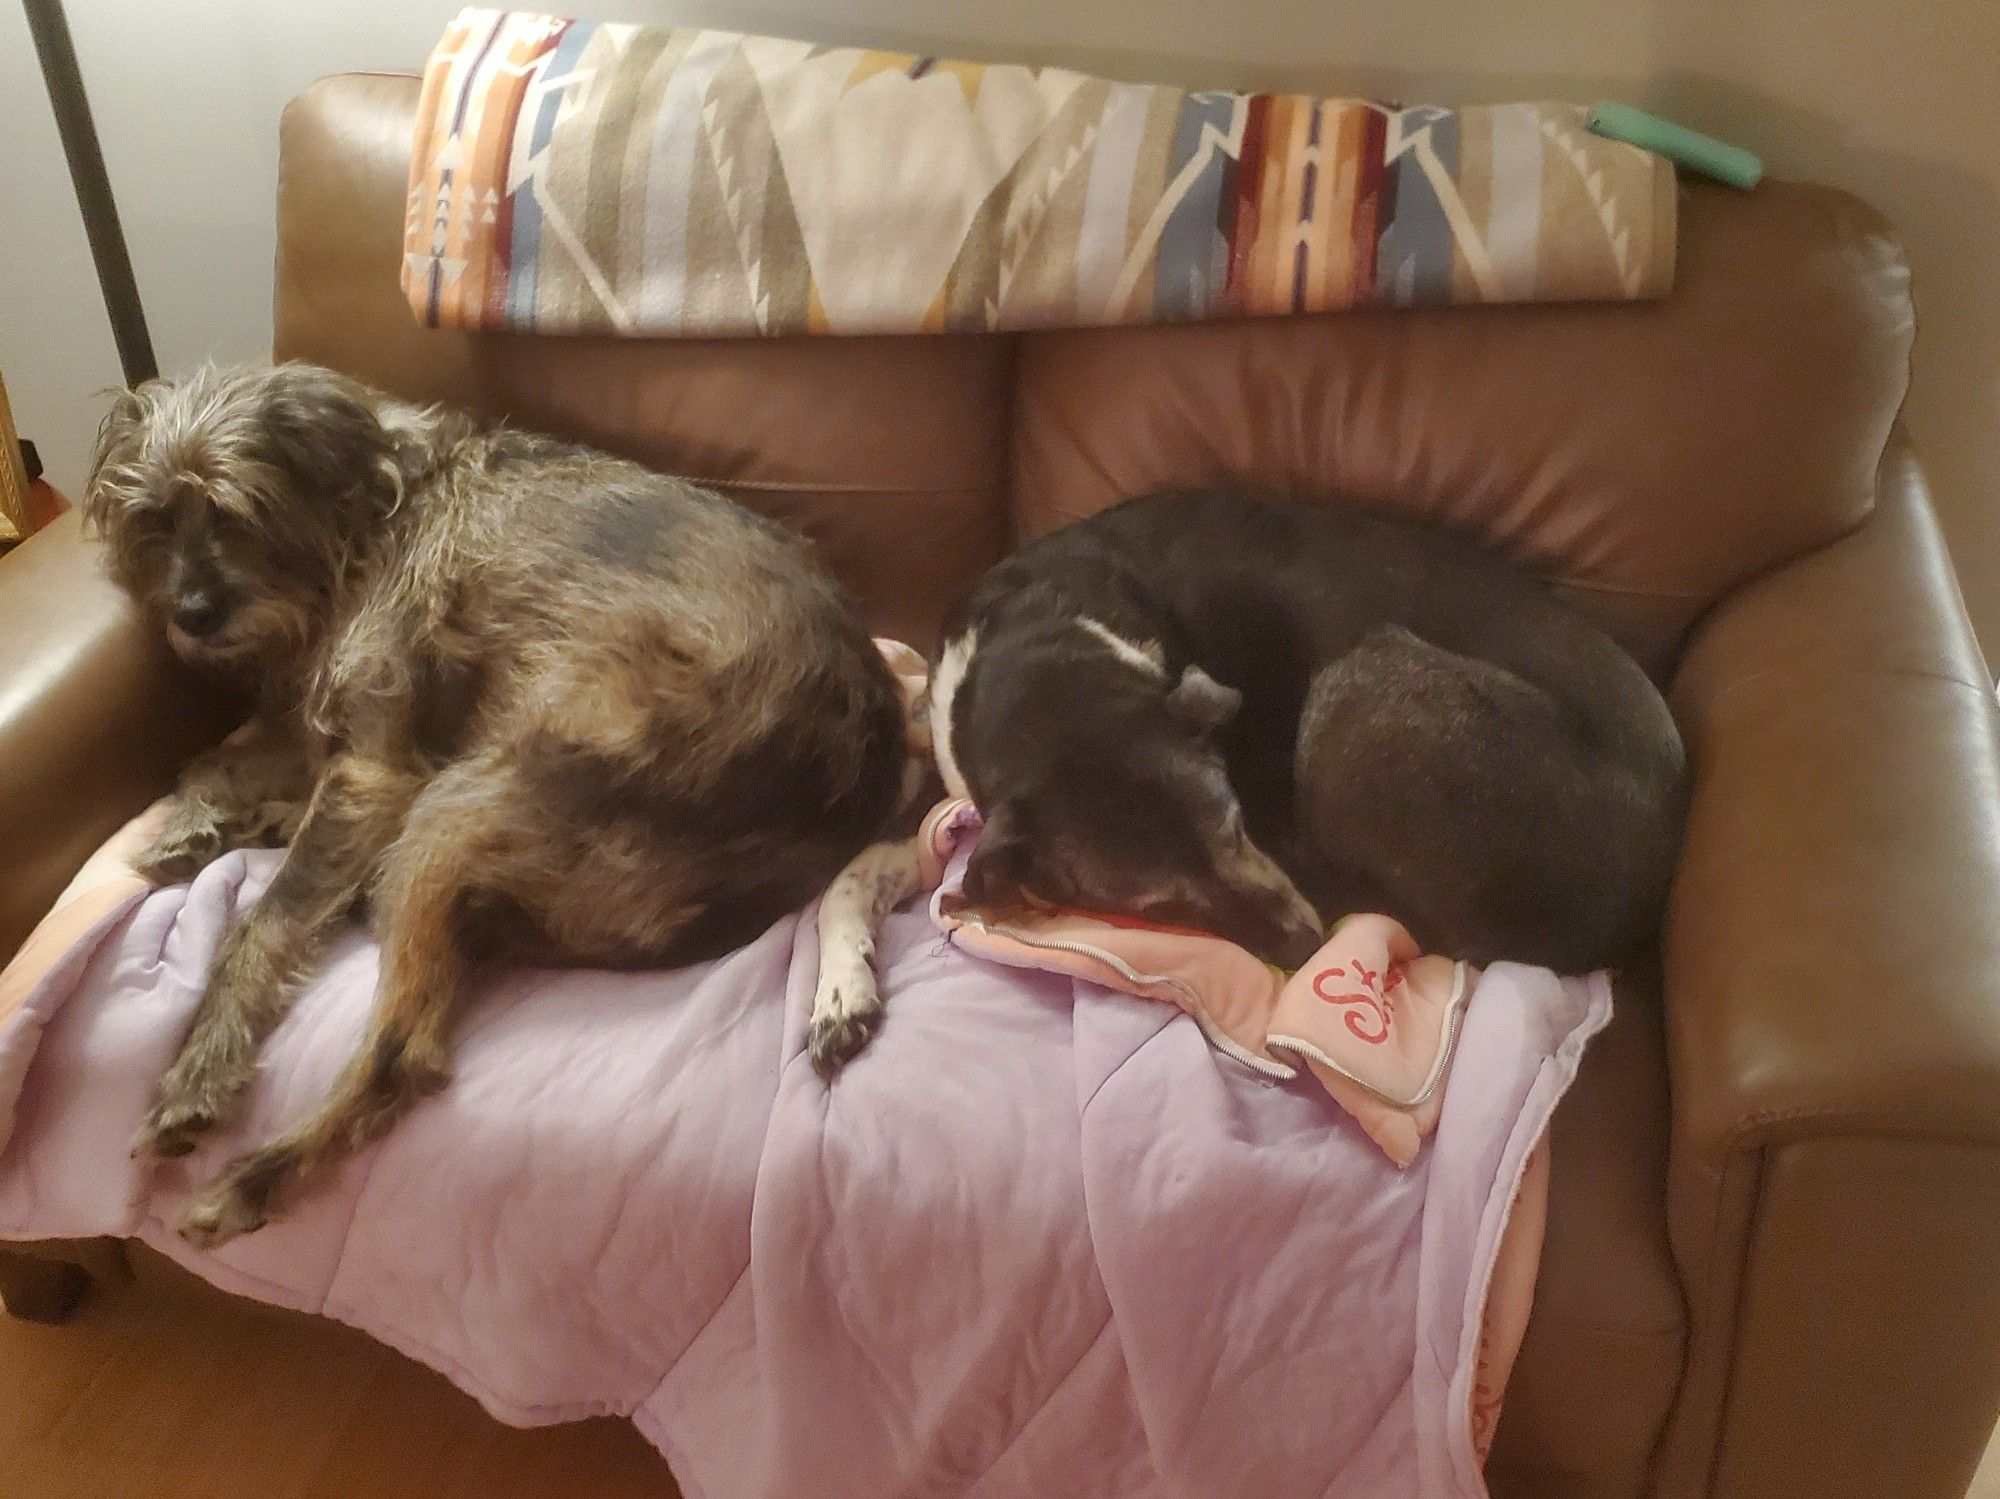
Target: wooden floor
(1986, 1482)
(163, 1389)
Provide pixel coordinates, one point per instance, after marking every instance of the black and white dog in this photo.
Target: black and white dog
(1250, 716)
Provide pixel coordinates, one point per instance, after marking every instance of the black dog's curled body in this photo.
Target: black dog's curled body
(1253, 716)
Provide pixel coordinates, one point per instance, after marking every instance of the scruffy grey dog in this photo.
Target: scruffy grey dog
(1249, 716)
(526, 701)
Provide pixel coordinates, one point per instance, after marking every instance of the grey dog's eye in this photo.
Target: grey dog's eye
(147, 528)
(151, 515)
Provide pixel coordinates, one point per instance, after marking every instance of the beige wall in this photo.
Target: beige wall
(1898, 101)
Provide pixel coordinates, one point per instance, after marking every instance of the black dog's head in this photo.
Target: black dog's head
(1103, 790)
(230, 502)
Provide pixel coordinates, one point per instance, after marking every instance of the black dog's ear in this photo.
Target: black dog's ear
(1201, 702)
(997, 873)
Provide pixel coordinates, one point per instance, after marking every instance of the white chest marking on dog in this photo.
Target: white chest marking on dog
(1146, 656)
(945, 682)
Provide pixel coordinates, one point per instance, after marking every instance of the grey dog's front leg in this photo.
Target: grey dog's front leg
(354, 815)
(248, 792)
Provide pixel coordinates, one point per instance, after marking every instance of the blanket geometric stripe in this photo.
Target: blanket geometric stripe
(583, 177)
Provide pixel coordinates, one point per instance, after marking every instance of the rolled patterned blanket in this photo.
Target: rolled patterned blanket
(585, 177)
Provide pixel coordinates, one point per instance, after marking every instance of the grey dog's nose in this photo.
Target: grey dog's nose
(200, 611)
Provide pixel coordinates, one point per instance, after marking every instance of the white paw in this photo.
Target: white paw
(847, 1008)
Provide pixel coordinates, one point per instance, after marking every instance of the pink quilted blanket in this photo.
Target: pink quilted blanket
(1040, 1238)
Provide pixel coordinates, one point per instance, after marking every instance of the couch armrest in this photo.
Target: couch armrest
(1832, 977)
(96, 717)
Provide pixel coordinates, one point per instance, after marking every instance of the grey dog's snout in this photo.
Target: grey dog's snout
(200, 611)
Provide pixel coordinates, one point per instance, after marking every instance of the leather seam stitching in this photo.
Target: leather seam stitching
(808, 486)
(1625, 590)
(1754, 1162)
(1748, 1133)
(1754, 1150)
(1593, 1328)
(1878, 673)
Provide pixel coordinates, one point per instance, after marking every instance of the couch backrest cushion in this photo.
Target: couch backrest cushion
(1651, 455)
(1648, 456)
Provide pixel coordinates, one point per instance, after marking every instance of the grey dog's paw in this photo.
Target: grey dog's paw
(173, 1128)
(221, 1213)
(198, 1092)
(242, 1199)
(178, 856)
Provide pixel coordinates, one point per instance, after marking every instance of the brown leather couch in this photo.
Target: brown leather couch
(1773, 1258)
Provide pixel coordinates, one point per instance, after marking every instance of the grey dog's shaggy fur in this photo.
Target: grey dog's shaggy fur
(526, 700)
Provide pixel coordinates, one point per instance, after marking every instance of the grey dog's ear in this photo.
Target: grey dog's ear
(1201, 702)
(128, 410)
(131, 409)
(111, 480)
(320, 429)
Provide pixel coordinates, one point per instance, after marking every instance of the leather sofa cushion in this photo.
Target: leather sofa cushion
(1651, 455)
(1648, 456)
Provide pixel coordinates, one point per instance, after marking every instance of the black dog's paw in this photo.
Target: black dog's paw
(836, 1039)
(847, 1009)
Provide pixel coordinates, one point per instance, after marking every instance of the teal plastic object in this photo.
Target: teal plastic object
(1690, 148)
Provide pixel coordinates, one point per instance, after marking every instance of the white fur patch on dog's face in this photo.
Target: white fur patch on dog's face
(945, 682)
(1147, 656)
